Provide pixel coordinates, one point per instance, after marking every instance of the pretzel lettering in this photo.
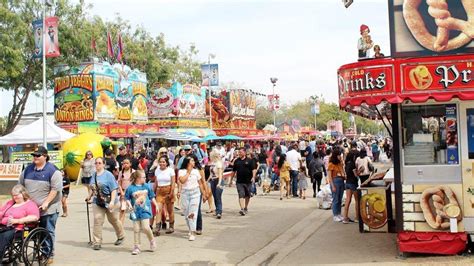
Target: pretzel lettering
(373, 211)
(443, 210)
(438, 9)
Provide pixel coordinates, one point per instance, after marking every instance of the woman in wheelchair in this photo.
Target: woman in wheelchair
(14, 214)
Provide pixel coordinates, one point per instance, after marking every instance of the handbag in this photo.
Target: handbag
(101, 200)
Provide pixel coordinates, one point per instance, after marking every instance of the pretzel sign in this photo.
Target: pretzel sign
(373, 211)
(438, 9)
(445, 205)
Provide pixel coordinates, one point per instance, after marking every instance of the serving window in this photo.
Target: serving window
(430, 134)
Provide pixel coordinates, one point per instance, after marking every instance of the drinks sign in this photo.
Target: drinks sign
(365, 81)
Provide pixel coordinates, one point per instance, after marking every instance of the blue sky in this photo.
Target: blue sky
(300, 42)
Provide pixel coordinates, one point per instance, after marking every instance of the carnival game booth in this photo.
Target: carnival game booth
(427, 105)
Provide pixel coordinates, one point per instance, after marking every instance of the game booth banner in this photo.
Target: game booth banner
(177, 105)
(446, 85)
(233, 109)
(100, 92)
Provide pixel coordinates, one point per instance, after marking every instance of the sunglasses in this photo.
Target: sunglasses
(37, 155)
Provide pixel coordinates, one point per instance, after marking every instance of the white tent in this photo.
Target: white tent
(33, 133)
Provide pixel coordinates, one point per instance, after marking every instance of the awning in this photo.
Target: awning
(199, 132)
(169, 136)
(369, 83)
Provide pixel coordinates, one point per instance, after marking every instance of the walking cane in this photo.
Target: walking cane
(88, 223)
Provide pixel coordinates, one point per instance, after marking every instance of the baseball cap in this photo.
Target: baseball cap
(40, 151)
(121, 147)
(187, 147)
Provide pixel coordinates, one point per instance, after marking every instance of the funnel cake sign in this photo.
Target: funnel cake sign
(365, 81)
(438, 76)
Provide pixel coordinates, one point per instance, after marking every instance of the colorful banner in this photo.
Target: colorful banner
(139, 108)
(315, 109)
(38, 37)
(181, 122)
(414, 29)
(114, 88)
(220, 113)
(51, 36)
(10, 171)
(192, 101)
(242, 104)
(452, 134)
(210, 75)
(73, 98)
(365, 81)
(274, 102)
(25, 158)
(163, 101)
(437, 76)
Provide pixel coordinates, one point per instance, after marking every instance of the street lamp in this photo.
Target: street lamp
(315, 99)
(209, 88)
(274, 81)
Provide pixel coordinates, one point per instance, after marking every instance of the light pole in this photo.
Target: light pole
(209, 88)
(274, 81)
(315, 99)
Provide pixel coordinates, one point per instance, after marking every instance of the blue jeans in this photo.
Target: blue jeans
(337, 196)
(264, 173)
(199, 218)
(190, 205)
(6, 238)
(217, 194)
(48, 222)
(294, 182)
(275, 179)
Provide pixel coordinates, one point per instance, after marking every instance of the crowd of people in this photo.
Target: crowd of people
(148, 188)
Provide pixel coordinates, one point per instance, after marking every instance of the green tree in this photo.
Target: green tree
(21, 74)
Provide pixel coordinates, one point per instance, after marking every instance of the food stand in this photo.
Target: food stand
(430, 103)
(424, 94)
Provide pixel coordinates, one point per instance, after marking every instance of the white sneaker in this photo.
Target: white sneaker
(337, 219)
(136, 250)
(192, 237)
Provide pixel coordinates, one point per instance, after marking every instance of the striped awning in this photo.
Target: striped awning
(199, 132)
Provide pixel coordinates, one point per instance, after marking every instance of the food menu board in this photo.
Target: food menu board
(73, 99)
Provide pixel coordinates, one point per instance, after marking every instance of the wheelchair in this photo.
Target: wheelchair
(29, 246)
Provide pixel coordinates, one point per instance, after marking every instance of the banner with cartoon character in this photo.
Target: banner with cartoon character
(221, 117)
(73, 98)
(163, 101)
(192, 101)
(139, 108)
(114, 93)
(242, 107)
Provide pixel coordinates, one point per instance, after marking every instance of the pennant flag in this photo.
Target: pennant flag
(38, 35)
(51, 40)
(110, 49)
(119, 48)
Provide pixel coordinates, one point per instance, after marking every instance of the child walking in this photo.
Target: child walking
(302, 182)
(139, 197)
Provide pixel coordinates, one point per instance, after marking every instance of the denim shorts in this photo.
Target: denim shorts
(352, 187)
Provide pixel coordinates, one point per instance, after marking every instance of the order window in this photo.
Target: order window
(430, 134)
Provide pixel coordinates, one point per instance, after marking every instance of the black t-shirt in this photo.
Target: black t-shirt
(134, 162)
(66, 182)
(244, 170)
(110, 164)
(120, 159)
(262, 158)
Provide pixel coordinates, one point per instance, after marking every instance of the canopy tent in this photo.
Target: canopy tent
(226, 137)
(33, 133)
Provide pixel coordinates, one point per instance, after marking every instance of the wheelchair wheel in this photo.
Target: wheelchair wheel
(35, 250)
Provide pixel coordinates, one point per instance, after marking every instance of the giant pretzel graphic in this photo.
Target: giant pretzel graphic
(373, 211)
(438, 9)
(445, 205)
